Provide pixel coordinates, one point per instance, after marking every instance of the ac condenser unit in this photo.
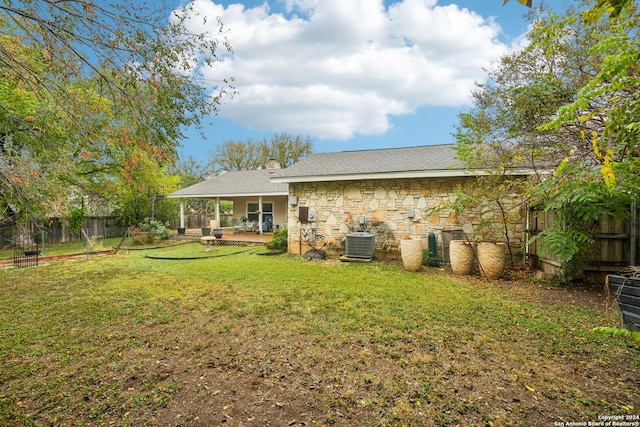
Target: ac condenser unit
(360, 244)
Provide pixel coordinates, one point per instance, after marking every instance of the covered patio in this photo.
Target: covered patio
(259, 206)
(228, 237)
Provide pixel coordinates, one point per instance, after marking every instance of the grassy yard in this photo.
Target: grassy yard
(74, 247)
(238, 339)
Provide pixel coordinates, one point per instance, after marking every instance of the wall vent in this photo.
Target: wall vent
(360, 244)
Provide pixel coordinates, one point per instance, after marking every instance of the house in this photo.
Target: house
(253, 194)
(391, 193)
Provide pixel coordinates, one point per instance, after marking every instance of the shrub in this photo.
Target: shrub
(76, 219)
(40, 236)
(280, 240)
(158, 230)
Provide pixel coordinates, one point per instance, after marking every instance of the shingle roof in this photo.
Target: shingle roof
(428, 160)
(240, 183)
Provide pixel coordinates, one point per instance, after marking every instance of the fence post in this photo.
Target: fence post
(634, 235)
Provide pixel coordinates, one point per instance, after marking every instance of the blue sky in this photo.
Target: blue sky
(356, 74)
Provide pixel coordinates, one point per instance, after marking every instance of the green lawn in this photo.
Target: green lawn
(236, 338)
(66, 248)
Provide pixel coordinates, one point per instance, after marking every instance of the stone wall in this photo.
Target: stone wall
(386, 206)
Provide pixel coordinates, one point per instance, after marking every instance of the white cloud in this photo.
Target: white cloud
(335, 68)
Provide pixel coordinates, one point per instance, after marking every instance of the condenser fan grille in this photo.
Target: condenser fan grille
(360, 245)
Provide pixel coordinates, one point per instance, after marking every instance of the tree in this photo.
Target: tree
(612, 7)
(236, 155)
(95, 80)
(286, 149)
(534, 113)
(37, 144)
(606, 108)
(528, 3)
(602, 178)
(249, 155)
(190, 171)
(133, 199)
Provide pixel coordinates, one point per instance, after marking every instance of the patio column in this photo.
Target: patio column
(260, 214)
(181, 213)
(218, 211)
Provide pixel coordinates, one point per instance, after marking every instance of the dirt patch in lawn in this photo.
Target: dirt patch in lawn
(547, 293)
(242, 373)
(465, 381)
(249, 375)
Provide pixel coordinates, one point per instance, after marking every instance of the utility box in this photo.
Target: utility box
(447, 237)
(303, 214)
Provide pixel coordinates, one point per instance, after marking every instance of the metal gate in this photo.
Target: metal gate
(25, 249)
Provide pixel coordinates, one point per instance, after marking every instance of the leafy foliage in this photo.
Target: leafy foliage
(605, 109)
(131, 200)
(158, 230)
(527, 3)
(610, 7)
(492, 203)
(88, 89)
(249, 155)
(577, 199)
(599, 174)
(618, 332)
(190, 171)
(567, 103)
(280, 240)
(76, 219)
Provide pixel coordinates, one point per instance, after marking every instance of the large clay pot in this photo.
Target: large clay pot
(411, 253)
(491, 257)
(461, 255)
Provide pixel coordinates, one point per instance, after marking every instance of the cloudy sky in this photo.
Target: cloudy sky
(354, 74)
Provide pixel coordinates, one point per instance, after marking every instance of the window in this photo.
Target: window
(252, 208)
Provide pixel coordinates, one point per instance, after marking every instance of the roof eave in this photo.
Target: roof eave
(229, 195)
(440, 173)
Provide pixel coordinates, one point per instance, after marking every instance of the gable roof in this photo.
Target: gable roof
(407, 162)
(235, 184)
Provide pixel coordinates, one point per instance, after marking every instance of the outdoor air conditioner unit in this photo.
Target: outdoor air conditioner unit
(360, 244)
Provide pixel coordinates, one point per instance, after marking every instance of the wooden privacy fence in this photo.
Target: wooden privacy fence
(55, 230)
(615, 249)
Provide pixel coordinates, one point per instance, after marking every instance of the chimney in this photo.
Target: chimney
(273, 164)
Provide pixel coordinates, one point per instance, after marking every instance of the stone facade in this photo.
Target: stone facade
(387, 206)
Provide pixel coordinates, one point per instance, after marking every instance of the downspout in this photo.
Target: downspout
(260, 214)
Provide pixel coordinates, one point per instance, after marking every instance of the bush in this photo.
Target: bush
(40, 236)
(158, 230)
(280, 240)
(76, 219)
